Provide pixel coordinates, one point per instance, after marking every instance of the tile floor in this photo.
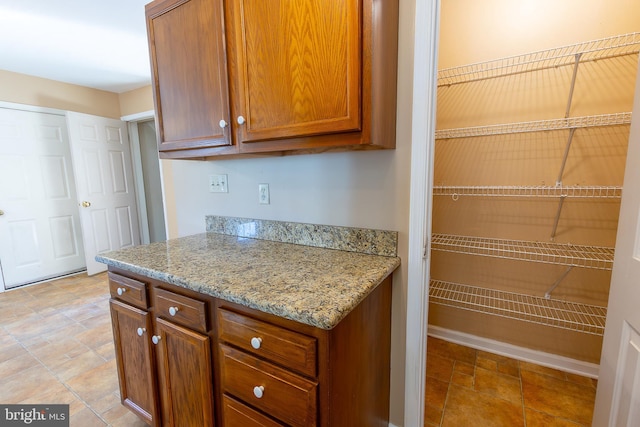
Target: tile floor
(56, 346)
(467, 387)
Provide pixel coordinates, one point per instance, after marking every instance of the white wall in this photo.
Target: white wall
(360, 189)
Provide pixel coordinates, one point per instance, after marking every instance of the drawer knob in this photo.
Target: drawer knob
(256, 342)
(173, 310)
(240, 120)
(121, 291)
(155, 339)
(258, 391)
(141, 331)
(222, 123)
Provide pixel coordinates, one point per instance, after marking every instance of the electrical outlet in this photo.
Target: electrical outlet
(218, 184)
(263, 194)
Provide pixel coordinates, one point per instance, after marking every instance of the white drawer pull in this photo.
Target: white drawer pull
(141, 331)
(155, 339)
(173, 310)
(256, 342)
(258, 391)
(121, 291)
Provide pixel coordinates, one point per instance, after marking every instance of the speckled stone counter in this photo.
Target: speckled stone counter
(312, 285)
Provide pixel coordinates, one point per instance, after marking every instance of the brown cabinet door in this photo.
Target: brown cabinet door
(186, 384)
(134, 357)
(191, 94)
(295, 67)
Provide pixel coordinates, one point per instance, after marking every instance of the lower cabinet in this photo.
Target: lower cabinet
(188, 359)
(136, 365)
(164, 368)
(184, 367)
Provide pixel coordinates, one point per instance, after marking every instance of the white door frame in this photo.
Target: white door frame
(425, 57)
(134, 138)
(132, 123)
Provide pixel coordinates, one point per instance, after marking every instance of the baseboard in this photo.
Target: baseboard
(549, 360)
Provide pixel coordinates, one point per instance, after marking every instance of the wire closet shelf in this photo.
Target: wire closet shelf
(599, 120)
(579, 192)
(596, 257)
(579, 317)
(610, 47)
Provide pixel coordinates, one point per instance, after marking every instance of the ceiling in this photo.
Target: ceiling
(99, 44)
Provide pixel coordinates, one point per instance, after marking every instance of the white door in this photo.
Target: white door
(104, 182)
(40, 233)
(618, 395)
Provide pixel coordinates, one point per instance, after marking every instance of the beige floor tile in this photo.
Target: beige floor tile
(465, 407)
(129, 419)
(451, 350)
(86, 418)
(95, 384)
(29, 382)
(436, 392)
(539, 419)
(78, 365)
(21, 361)
(557, 397)
(439, 367)
(526, 366)
(499, 385)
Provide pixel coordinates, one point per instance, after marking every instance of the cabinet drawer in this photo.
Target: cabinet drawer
(283, 395)
(282, 346)
(182, 310)
(128, 290)
(235, 414)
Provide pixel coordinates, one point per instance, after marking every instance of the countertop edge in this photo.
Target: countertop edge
(317, 319)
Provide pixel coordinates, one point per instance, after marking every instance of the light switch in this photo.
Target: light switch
(218, 184)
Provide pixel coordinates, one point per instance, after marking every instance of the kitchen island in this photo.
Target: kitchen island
(223, 329)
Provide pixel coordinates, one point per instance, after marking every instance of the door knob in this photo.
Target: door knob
(1, 212)
(85, 204)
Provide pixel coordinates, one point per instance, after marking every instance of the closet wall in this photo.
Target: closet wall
(523, 240)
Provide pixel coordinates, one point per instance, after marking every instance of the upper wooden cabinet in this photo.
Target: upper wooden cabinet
(280, 74)
(189, 73)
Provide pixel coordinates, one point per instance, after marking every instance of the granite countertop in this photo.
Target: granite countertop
(311, 285)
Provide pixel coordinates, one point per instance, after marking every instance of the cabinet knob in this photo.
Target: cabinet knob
(240, 120)
(156, 339)
(141, 331)
(173, 310)
(223, 124)
(121, 291)
(256, 342)
(258, 391)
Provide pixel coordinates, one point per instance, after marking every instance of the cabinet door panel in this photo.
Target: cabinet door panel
(298, 66)
(135, 360)
(184, 361)
(190, 73)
